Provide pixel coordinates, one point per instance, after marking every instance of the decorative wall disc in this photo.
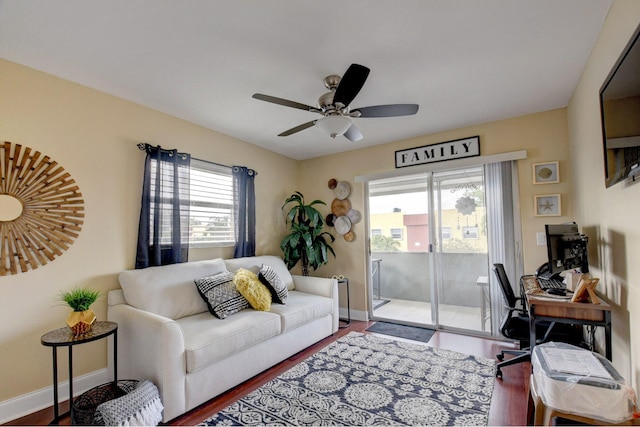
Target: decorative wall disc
(41, 209)
(342, 224)
(342, 190)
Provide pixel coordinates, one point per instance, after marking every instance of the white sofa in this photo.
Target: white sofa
(167, 335)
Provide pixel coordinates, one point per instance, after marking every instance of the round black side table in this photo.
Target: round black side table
(63, 337)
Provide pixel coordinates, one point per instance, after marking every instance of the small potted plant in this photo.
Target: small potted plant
(82, 317)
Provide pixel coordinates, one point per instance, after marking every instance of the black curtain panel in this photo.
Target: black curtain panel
(163, 233)
(245, 211)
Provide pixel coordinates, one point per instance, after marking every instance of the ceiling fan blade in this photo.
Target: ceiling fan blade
(353, 134)
(285, 102)
(390, 110)
(350, 84)
(298, 128)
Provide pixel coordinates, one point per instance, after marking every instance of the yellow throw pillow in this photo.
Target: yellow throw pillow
(248, 284)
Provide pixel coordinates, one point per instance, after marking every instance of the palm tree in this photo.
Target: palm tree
(384, 244)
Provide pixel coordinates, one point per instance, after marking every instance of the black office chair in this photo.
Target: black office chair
(515, 325)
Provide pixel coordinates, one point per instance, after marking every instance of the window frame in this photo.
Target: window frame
(398, 230)
(447, 232)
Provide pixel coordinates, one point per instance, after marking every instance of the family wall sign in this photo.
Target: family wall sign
(449, 150)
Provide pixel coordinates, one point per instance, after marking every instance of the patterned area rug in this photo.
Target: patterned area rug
(363, 379)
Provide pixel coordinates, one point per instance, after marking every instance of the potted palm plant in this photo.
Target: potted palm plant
(306, 242)
(82, 317)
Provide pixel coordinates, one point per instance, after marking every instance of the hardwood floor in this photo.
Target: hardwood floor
(508, 405)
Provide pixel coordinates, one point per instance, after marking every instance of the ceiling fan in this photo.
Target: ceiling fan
(334, 105)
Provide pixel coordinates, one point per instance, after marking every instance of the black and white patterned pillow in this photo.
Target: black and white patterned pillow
(274, 283)
(221, 295)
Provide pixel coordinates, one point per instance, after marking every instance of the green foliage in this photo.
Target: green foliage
(79, 299)
(306, 242)
(384, 244)
(460, 246)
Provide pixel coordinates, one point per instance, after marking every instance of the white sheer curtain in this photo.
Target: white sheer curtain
(503, 223)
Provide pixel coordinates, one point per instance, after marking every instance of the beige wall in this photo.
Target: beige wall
(93, 136)
(610, 216)
(543, 135)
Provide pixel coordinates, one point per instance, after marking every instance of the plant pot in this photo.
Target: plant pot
(80, 322)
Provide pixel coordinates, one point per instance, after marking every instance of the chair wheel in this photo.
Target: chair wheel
(498, 373)
(500, 357)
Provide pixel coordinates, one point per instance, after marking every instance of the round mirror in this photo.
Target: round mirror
(10, 208)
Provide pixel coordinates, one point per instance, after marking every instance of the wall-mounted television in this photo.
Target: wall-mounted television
(620, 113)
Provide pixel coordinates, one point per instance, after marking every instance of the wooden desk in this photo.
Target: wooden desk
(565, 311)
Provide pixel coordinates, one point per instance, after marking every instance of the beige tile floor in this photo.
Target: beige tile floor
(420, 313)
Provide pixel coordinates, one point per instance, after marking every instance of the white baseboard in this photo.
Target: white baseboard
(40, 399)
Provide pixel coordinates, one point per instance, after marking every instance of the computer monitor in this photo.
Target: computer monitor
(566, 250)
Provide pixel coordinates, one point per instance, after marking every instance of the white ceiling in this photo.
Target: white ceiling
(463, 61)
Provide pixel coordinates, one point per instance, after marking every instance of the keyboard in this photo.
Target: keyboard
(551, 284)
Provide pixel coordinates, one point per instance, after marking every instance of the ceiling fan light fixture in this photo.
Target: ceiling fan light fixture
(334, 125)
(335, 106)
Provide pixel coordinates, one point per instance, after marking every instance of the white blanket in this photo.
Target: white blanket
(140, 407)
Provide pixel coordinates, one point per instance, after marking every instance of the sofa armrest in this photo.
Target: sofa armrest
(115, 297)
(150, 347)
(325, 287)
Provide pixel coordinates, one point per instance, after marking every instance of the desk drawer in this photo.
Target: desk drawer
(584, 312)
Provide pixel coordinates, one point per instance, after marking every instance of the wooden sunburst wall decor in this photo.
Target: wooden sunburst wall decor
(41, 209)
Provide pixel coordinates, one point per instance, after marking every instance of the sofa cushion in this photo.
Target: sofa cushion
(302, 308)
(221, 295)
(274, 283)
(208, 339)
(271, 260)
(168, 290)
(252, 289)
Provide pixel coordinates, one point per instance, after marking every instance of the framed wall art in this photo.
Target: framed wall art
(546, 173)
(547, 205)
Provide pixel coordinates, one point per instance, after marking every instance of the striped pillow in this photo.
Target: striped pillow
(274, 283)
(221, 295)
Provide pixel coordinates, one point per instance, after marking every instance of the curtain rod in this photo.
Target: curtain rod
(143, 146)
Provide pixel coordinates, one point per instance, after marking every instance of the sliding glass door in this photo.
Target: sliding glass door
(461, 250)
(399, 247)
(428, 249)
